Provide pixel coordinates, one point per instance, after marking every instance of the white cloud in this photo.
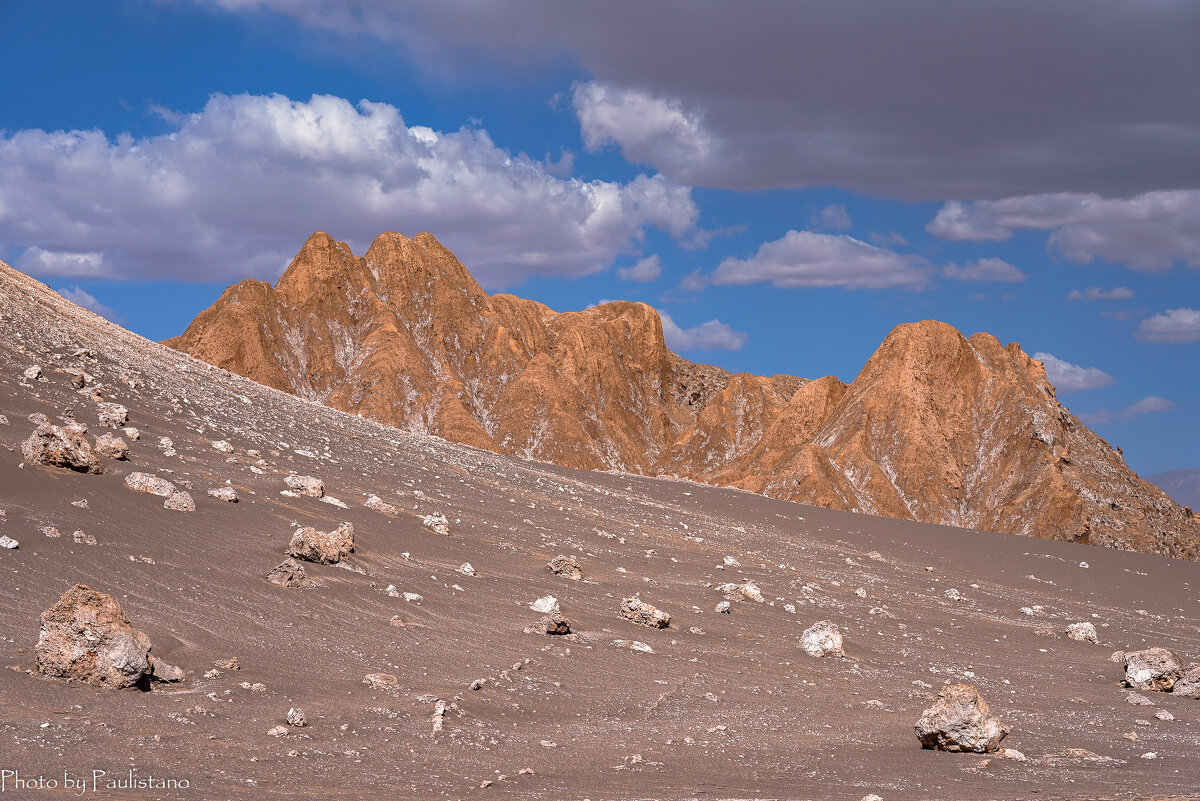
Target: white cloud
(1149, 232)
(807, 259)
(1172, 327)
(984, 270)
(1099, 293)
(831, 218)
(1068, 377)
(236, 188)
(647, 129)
(81, 297)
(1147, 405)
(713, 335)
(648, 269)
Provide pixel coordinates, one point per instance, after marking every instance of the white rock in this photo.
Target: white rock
(822, 639)
(9, 543)
(413, 598)
(436, 523)
(1083, 632)
(223, 446)
(722, 607)
(466, 569)
(33, 373)
(545, 605)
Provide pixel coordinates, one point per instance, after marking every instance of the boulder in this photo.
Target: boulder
(58, 446)
(289, 573)
(9, 543)
(822, 639)
(437, 523)
(111, 447)
(747, 591)
(1152, 669)
(222, 445)
(553, 623)
(33, 373)
(295, 717)
(638, 611)
(148, 482)
(381, 681)
(180, 501)
(565, 566)
(161, 671)
(547, 605)
(1083, 632)
(88, 637)
(1188, 683)
(960, 720)
(381, 506)
(112, 415)
(224, 494)
(324, 547)
(306, 485)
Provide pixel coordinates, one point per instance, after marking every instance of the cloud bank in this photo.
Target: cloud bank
(236, 188)
(1067, 377)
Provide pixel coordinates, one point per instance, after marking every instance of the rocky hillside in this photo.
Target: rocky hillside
(937, 427)
(312, 605)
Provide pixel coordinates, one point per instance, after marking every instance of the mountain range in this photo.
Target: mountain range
(937, 427)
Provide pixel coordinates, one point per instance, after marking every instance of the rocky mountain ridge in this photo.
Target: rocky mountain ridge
(937, 427)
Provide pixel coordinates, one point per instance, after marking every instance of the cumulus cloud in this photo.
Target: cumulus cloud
(1147, 405)
(1149, 232)
(648, 130)
(713, 335)
(81, 297)
(647, 269)
(235, 189)
(920, 105)
(1067, 377)
(984, 270)
(807, 259)
(1172, 327)
(832, 218)
(1099, 293)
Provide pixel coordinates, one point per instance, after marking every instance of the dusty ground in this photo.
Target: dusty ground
(726, 706)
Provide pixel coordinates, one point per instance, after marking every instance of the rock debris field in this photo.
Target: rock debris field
(272, 599)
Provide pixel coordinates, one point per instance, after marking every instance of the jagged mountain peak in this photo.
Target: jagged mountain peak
(937, 426)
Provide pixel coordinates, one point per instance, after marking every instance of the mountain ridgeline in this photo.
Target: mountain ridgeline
(937, 427)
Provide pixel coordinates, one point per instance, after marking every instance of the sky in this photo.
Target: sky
(784, 181)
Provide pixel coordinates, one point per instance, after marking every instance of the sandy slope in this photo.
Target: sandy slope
(737, 711)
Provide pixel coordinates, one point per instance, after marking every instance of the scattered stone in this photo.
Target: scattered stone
(306, 485)
(466, 569)
(131, 432)
(413, 598)
(381, 681)
(547, 605)
(180, 501)
(565, 566)
(82, 503)
(723, 607)
(822, 639)
(960, 720)
(148, 482)
(112, 415)
(278, 731)
(326, 548)
(222, 445)
(161, 671)
(289, 573)
(83, 539)
(747, 591)
(1137, 699)
(50, 531)
(295, 717)
(1188, 684)
(9, 543)
(332, 501)
(231, 663)
(638, 611)
(731, 561)
(381, 506)
(1013, 754)
(224, 494)
(1150, 755)
(88, 637)
(66, 447)
(3, 420)
(1152, 669)
(112, 447)
(437, 523)
(554, 624)
(1163, 714)
(33, 373)
(1083, 632)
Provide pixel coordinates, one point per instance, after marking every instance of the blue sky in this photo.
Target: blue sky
(785, 182)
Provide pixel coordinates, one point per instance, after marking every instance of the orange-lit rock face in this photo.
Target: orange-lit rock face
(936, 427)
